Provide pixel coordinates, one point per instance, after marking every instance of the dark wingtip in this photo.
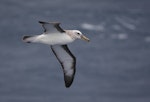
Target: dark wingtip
(68, 85)
(68, 81)
(41, 22)
(26, 37)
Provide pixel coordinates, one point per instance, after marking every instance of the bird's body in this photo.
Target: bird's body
(58, 39)
(50, 39)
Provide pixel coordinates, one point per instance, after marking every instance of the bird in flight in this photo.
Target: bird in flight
(58, 39)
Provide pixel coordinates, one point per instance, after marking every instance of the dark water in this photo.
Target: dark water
(113, 67)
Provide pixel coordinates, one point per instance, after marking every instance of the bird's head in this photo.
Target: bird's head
(78, 35)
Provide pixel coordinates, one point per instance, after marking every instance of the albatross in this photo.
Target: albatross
(57, 39)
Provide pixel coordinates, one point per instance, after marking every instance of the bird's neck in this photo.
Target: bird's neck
(70, 33)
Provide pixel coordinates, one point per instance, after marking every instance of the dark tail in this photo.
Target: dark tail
(25, 39)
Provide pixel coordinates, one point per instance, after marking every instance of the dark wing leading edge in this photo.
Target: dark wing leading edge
(67, 61)
(51, 27)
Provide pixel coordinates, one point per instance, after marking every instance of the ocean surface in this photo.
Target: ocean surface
(113, 67)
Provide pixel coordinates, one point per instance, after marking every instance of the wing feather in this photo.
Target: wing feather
(51, 27)
(67, 60)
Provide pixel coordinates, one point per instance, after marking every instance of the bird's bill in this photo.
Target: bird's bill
(85, 38)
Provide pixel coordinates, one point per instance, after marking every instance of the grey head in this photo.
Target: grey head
(76, 34)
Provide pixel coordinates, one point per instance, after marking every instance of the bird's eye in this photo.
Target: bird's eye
(78, 33)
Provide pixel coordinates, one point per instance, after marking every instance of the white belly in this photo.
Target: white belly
(53, 39)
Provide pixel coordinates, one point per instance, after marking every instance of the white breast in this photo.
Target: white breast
(54, 39)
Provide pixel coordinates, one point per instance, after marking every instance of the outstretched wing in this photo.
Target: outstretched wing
(51, 27)
(67, 61)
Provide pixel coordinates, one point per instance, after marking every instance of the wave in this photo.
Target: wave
(120, 36)
(147, 39)
(126, 22)
(92, 27)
